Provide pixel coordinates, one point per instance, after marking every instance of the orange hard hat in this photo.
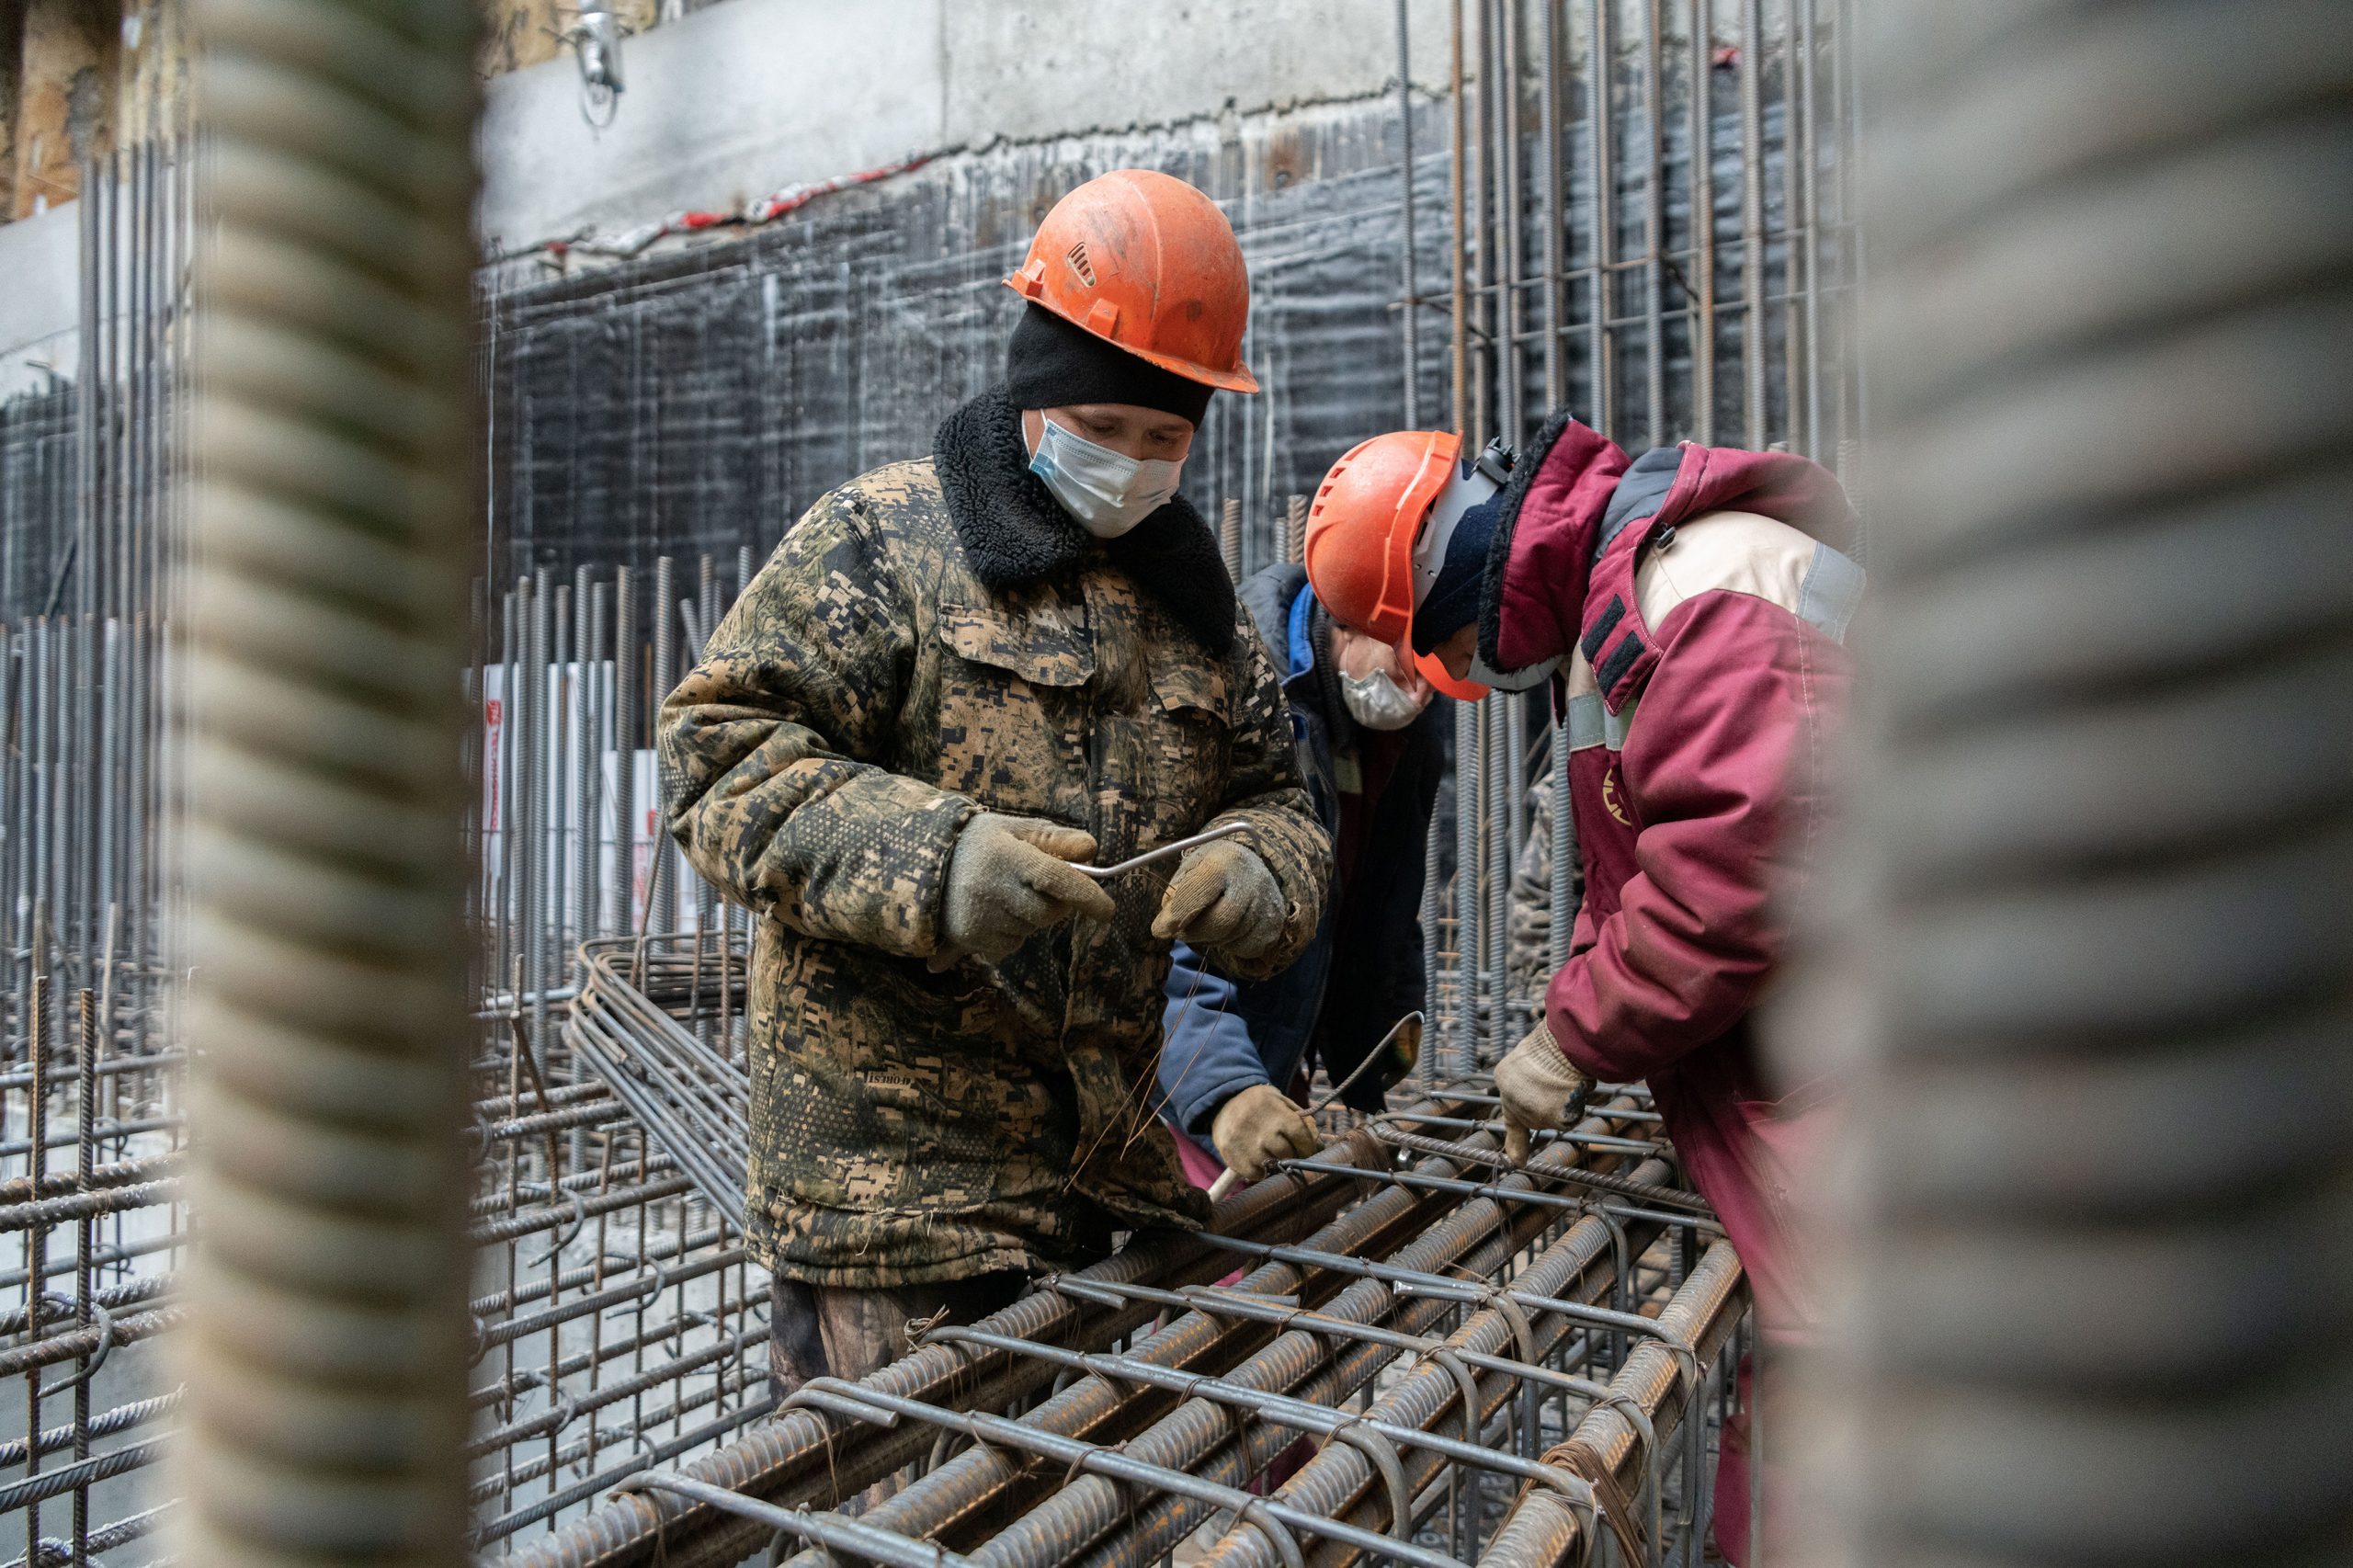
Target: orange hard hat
(1361, 527)
(1148, 264)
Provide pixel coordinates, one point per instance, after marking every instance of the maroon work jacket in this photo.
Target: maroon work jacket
(1701, 605)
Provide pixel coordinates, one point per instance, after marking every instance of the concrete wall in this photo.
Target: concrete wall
(65, 101)
(747, 97)
(40, 305)
(752, 95)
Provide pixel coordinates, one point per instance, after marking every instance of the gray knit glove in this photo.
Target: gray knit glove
(1223, 897)
(1259, 1126)
(1536, 1082)
(1010, 878)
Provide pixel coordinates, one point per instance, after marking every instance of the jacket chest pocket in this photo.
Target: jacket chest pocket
(1188, 745)
(1005, 689)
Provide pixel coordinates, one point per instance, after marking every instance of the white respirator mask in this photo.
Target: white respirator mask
(1106, 492)
(1378, 702)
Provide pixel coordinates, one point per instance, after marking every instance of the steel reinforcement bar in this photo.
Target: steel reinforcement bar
(1313, 1323)
(801, 1459)
(1624, 1436)
(1473, 1240)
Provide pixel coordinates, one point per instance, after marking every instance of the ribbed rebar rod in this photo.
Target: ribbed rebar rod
(83, 1205)
(327, 1009)
(120, 1420)
(800, 1457)
(1565, 870)
(123, 1172)
(1465, 1040)
(623, 908)
(1753, 325)
(2097, 911)
(1410, 316)
(77, 1343)
(1546, 1531)
(55, 1553)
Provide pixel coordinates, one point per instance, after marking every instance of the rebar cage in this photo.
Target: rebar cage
(1579, 1310)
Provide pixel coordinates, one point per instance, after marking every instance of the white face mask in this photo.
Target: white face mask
(1108, 491)
(1376, 702)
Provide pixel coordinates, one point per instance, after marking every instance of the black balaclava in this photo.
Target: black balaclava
(1452, 602)
(1051, 364)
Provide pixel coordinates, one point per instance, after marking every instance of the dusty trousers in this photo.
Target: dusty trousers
(819, 1331)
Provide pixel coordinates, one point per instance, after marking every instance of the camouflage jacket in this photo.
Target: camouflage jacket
(935, 639)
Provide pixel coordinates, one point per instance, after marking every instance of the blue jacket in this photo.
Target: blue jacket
(1220, 1037)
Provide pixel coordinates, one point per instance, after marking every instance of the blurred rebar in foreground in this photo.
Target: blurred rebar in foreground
(328, 1014)
(2095, 1212)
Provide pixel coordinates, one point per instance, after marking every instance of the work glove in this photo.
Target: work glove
(1222, 896)
(1010, 878)
(1259, 1126)
(1536, 1081)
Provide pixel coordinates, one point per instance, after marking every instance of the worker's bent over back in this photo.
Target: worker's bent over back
(1690, 608)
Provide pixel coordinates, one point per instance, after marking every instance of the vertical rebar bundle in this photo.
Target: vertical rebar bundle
(1662, 153)
(332, 468)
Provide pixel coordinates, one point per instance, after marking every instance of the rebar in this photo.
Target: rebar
(692, 1099)
(2083, 929)
(1409, 314)
(800, 1458)
(1155, 1438)
(600, 1257)
(323, 1358)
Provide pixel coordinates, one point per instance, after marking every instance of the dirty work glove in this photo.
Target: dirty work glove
(1259, 1126)
(1535, 1082)
(1010, 878)
(1223, 897)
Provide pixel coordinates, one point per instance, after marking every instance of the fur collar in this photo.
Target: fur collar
(1015, 532)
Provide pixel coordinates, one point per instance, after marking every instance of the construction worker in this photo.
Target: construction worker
(1373, 758)
(1690, 608)
(957, 677)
